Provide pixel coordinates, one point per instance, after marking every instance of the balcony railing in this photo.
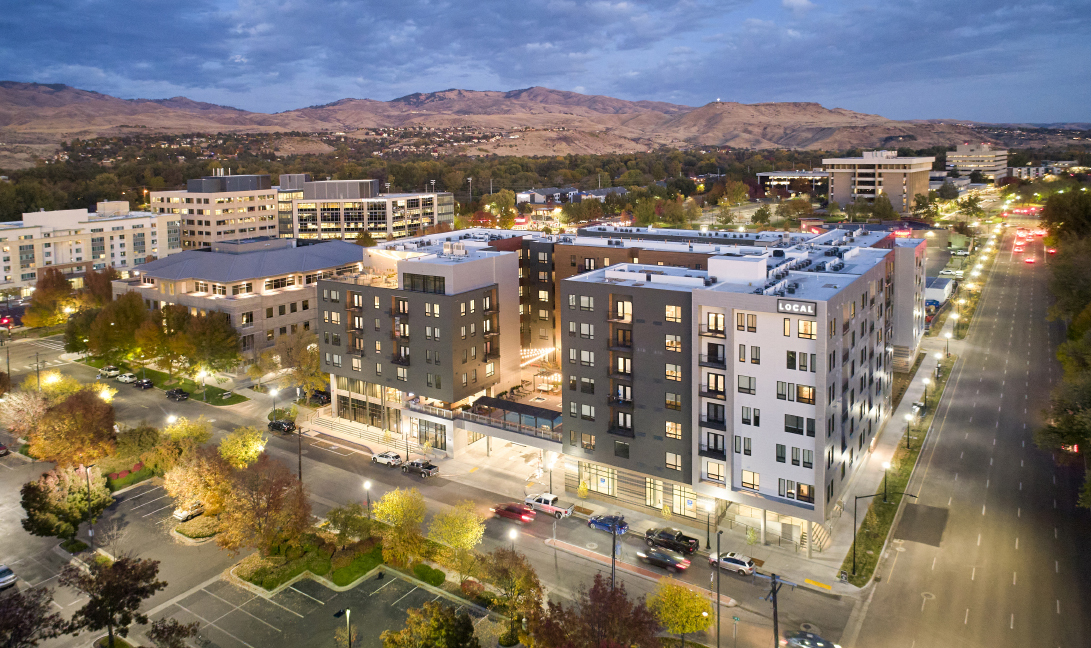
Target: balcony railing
(430, 409)
(617, 375)
(621, 431)
(518, 428)
(713, 423)
(714, 392)
(395, 335)
(615, 345)
(712, 452)
(400, 360)
(719, 362)
(393, 312)
(713, 332)
(618, 401)
(620, 316)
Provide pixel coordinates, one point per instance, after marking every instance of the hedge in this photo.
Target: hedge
(126, 478)
(433, 577)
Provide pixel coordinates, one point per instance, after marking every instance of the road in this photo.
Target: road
(990, 553)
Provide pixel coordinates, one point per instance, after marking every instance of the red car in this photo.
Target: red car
(514, 511)
(1030, 260)
(1051, 250)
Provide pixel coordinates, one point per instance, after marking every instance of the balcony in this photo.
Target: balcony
(623, 317)
(395, 335)
(621, 431)
(714, 392)
(400, 360)
(618, 401)
(718, 362)
(617, 375)
(553, 435)
(492, 310)
(417, 406)
(491, 333)
(712, 452)
(492, 355)
(713, 423)
(621, 346)
(392, 312)
(713, 332)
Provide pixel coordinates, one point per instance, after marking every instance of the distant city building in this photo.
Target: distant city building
(878, 172)
(967, 158)
(547, 195)
(221, 208)
(793, 183)
(76, 240)
(1028, 173)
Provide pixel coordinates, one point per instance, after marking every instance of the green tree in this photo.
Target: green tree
(970, 207)
(215, 343)
(977, 177)
(834, 209)
(77, 430)
(97, 287)
(926, 207)
(298, 354)
(882, 209)
(114, 593)
(169, 633)
(1068, 213)
(680, 610)
(364, 239)
(113, 333)
(724, 216)
(263, 363)
(644, 212)
(402, 510)
(516, 582)
(243, 446)
(27, 618)
(947, 191)
(735, 192)
(762, 215)
(502, 205)
(78, 330)
(460, 529)
(349, 522)
(163, 337)
(52, 296)
(58, 502)
(435, 625)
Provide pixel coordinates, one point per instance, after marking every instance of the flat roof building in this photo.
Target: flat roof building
(221, 208)
(878, 172)
(967, 158)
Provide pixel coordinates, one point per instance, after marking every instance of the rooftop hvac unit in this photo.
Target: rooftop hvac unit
(446, 248)
(791, 290)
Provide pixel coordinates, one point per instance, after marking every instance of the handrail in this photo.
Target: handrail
(510, 426)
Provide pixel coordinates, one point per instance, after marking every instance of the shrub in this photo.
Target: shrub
(433, 577)
(509, 638)
(319, 564)
(73, 546)
(362, 564)
(202, 526)
(294, 553)
(472, 589)
(343, 558)
(123, 474)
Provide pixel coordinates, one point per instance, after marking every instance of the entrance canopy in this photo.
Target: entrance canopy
(522, 413)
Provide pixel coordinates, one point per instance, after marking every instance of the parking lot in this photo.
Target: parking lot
(304, 615)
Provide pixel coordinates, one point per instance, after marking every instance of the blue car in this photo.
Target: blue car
(607, 522)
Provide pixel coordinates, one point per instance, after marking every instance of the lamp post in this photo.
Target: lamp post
(513, 534)
(273, 392)
(954, 318)
(348, 625)
(908, 428)
(204, 385)
(172, 419)
(926, 382)
(718, 534)
(367, 489)
(886, 475)
(948, 343)
(708, 525)
(90, 522)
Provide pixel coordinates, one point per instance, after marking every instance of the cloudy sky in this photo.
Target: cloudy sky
(988, 60)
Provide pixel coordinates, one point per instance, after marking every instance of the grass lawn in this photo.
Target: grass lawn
(164, 381)
(200, 527)
(878, 517)
(362, 564)
(118, 643)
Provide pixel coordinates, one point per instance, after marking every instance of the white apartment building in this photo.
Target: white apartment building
(878, 172)
(221, 208)
(967, 158)
(77, 240)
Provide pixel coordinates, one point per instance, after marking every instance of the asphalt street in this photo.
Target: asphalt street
(988, 555)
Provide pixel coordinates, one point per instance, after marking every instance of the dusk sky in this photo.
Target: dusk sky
(992, 60)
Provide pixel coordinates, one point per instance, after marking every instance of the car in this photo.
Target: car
(4, 450)
(672, 539)
(144, 383)
(109, 371)
(608, 522)
(389, 458)
(284, 427)
(7, 577)
(320, 397)
(126, 378)
(948, 273)
(549, 503)
(1018, 250)
(672, 561)
(806, 640)
(961, 253)
(917, 409)
(514, 511)
(188, 511)
(423, 466)
(1051, 250)
(177, 394)
(1029, 260)
(732, 561)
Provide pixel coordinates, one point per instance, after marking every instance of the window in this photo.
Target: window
(625, 366)
(751, 323)
(588, 441)
(587, 331)
(673, 401)
(587, 303)
(757, 417)
(587, 358)
(750, 480)
(674, 372)
(746, 416)
(715, 322)
(748, 385)
(714, 470)
(674, 461)
(571, 303)
(307, 304)
(653, 493)
(587, 385)
(674, 313)
(674, 343)
(587, 412)
(742, 353)
(674, 430)
(808, 329)
(786, 488)
(782, 390)
(810, 425)
(490, 369)
(621, 449)
(755, 355)
(740, 321)
(624, 420)
(787, 327)
(746, 447)
(793, 424)
(782, 453)
(357, 363)
(378, 346)
(805, 394)
(795, 456)
(465, 380)
(543, 295)
(791, 359)
(403, 374)
(247, 318)
(805, 493)
(269, 311)
(378, 368)
(716, 383)
(803, 361)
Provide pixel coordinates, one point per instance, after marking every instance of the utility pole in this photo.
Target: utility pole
(776, 583)
(613, 554)
(299, 454)
(718, 534)
(37, 371)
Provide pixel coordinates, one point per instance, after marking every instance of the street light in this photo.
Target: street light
(886, 474)
(348, 625)
(513, 534)
(172, 419)
(273, 393)
(367, 488)
(948, 343)
(926, 382)
(204, 386)
(708, 524)
(908, 429)
(90, 522)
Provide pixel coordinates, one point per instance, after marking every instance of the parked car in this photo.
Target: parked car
(109, 371)
(126, 378)
(514, 511)
(189, 511)
(7, 577)
(917, 409)
(806, 640)
(549, 503)
(320, 397)
(144, 383)
(4, 450)
(389, 458)
(284, 427)
(961, 253)
(177, 394)
(672, 539)
(607, 523)
(423, 466)
(732, 561)
(672, 561)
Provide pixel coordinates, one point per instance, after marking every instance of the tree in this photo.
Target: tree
(215, 343)
(58, 502)
(1068, 213)
(460, 529)
(78, 330)
(364, 239)
(1070, 277)
(947, 191)
(298, 354)
(882, 209)
(114, 592)
(599, 616)
(22, 410)
(263, 363)
(970, 207)
(794, 209)
(349, 522)
(644, 212)
(516, 582)
(735, 192)
(27, 618)
(134, 442)
(185, 430)
(266, 505)
(680, 610)
(169, 633)
(243, 446)
(79, 429)
(52, 295)
(723, 213)
(502, 205)
(200, 475)
(113, 333)
(97, 287)
(834, 208)
(163, 337)
(977, 177)
(403, 511)
(762, 215)
(435, 625)
(926, 207)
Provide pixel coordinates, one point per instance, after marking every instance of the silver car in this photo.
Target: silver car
(7, 577)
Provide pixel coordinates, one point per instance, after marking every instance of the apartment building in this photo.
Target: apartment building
(221, 208)
(77, 240)
(878, 172)
(268, 286)
(967, 158)
(671, 374)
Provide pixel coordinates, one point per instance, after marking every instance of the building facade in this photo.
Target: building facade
(878, 172)
(967, 158)
(221, 208)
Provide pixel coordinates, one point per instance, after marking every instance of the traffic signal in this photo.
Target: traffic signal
(5, 321)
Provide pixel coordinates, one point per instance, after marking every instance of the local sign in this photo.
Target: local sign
(794, 307)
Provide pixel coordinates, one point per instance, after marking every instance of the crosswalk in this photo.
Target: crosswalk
(56, 345)
(45, 364)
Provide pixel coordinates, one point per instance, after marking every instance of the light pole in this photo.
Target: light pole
(954, 318)
(273, 393)
(367, 489)
(513, 534)
(708, 525)
(204, 385)
(348, 625)
(718, 534)
(908, 428)
(552, 463)
(172, 419)
(948, 343)
(926, 382)
(886, 475)
(90, 521)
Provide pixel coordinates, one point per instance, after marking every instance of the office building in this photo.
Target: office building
(77, 240)
(221, 208)
(878, 172)
(267, 285)
(793, 183)
(967, 158)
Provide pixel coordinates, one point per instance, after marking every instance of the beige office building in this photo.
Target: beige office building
(878, 172)
(967, 158)
(221, 208)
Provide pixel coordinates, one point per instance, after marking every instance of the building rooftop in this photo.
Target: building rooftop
(794, 174)
(224, 267)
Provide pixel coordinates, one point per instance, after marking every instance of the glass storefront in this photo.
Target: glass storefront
(599, 479)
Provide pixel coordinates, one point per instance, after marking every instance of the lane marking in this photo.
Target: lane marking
(157, 510)
(291, 587)
(214, 625)
(148, 502)
(239, 608)
(403, 596)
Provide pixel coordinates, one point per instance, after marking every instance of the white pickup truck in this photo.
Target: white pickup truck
(549, 503)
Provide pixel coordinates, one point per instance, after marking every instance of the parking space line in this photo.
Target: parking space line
(214, 625)
(403, 596)
(307, 595)
(281, 607)
(392, 580)
(148, 502)
(157, 510)
(143, 493)
(239, 608)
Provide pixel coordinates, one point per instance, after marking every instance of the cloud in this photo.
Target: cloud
(797, 5)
